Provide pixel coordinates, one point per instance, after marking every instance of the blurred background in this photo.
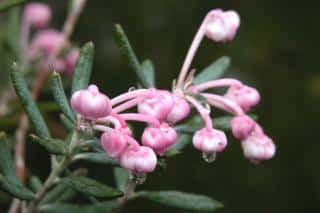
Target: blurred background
(276, 50)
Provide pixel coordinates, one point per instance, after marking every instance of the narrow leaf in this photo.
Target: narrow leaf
(121, 177)
(9, 180)
(28, 104)
(95, 158)
(82, 72)
(66, 122)
(213, 71)
(35, 184)
(102, 207)
(128, 52)
(60, 96)
(91, 187)
(147, 69)
(5, 5)
(182, 200)
(53, 146)
(62, 192)
(13, 186)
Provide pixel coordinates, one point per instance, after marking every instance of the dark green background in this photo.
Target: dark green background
(276, 50)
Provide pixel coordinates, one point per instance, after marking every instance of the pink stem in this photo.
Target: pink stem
(223, 103)
(140, 117)
(101, 128)
(225, 82)
(110, 119)
(191, 52)
(129, 95)
(205, 114)
(127, 105)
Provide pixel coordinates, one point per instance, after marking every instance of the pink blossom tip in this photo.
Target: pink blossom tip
(209, 141)
(159, 138)
(90, 103)
(245, 96)
(157, 103)
(258, 147)
(242, 126)
(222, 26)
(179, 111)
(71, 59)
(114, 143)
(37, 14)
(139, 160)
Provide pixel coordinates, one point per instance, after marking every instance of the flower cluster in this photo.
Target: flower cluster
(46, 40)
(162, 109)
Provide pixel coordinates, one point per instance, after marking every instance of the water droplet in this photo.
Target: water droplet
(209, 157)
(138, 178)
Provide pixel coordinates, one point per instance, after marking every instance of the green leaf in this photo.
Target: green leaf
(62, 192)
(182, 142)
(60, 96)
(102, 207)
(127, 51)
(121, 177)
(9, 180)
(5, 5)
(91, 187)
(66, 122)
(35, 184)
(147, 69)
(53, 146)
(95, 158)
(28, 104)
(82, 73)
(13, 186)
(213, 71)
(182, 200)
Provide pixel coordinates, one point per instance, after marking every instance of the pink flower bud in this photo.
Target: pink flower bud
(114, 143)
(157, 103)
(179, 111)
(45, 42)
(242, 126)
(139, 160)
(245, 96)
(71, 60)
(159, 138)
(209, 140)
(90, 103)
(258, 147)
(37, 14)
(222, 26)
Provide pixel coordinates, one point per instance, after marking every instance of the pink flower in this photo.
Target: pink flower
(71, 60)
(245, 96)
(258, 147)
(37, 14)
(157, 103)
(222, 26)
(90, 103)
(44, 42)
(179, 111)
(242, 126)
(139, 160)
(159, 138)
(209, 140)
(114, 143)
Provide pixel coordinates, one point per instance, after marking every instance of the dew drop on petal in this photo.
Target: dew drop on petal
(209, 157)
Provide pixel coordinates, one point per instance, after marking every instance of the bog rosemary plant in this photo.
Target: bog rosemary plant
(97, 125)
